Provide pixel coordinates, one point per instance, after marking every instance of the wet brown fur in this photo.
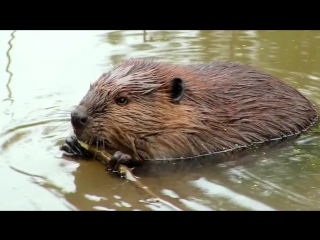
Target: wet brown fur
(225, 106)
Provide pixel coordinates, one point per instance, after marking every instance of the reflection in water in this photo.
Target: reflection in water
(49, 73)
(8, 67)
(221, 193)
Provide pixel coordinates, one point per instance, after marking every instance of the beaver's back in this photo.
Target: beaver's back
(241, 105)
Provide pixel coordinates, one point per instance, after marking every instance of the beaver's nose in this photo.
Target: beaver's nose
(79, 118)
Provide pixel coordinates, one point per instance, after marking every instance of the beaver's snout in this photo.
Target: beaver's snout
(79, 118)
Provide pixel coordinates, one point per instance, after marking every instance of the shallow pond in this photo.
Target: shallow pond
(44, 74)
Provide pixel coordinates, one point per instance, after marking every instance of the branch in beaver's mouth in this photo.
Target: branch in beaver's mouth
(98, 142)
(104, 145)
(95, 141)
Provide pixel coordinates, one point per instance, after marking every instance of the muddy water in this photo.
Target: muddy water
(45, 73)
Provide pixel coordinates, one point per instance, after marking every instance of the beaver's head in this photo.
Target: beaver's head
(136, 100)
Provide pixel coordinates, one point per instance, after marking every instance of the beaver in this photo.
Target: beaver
(150, 110)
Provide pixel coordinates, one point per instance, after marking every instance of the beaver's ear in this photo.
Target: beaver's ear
(177, 89)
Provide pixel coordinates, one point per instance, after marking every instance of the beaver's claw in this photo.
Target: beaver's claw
(71, 147)
(117, 159)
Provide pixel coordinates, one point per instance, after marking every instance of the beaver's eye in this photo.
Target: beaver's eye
(122, 100)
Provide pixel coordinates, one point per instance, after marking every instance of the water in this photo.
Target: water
(44, 74)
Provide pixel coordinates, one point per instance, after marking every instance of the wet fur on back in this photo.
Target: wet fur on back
(221, 106)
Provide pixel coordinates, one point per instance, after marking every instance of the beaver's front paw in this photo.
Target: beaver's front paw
(117, 159)
(71, 147)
